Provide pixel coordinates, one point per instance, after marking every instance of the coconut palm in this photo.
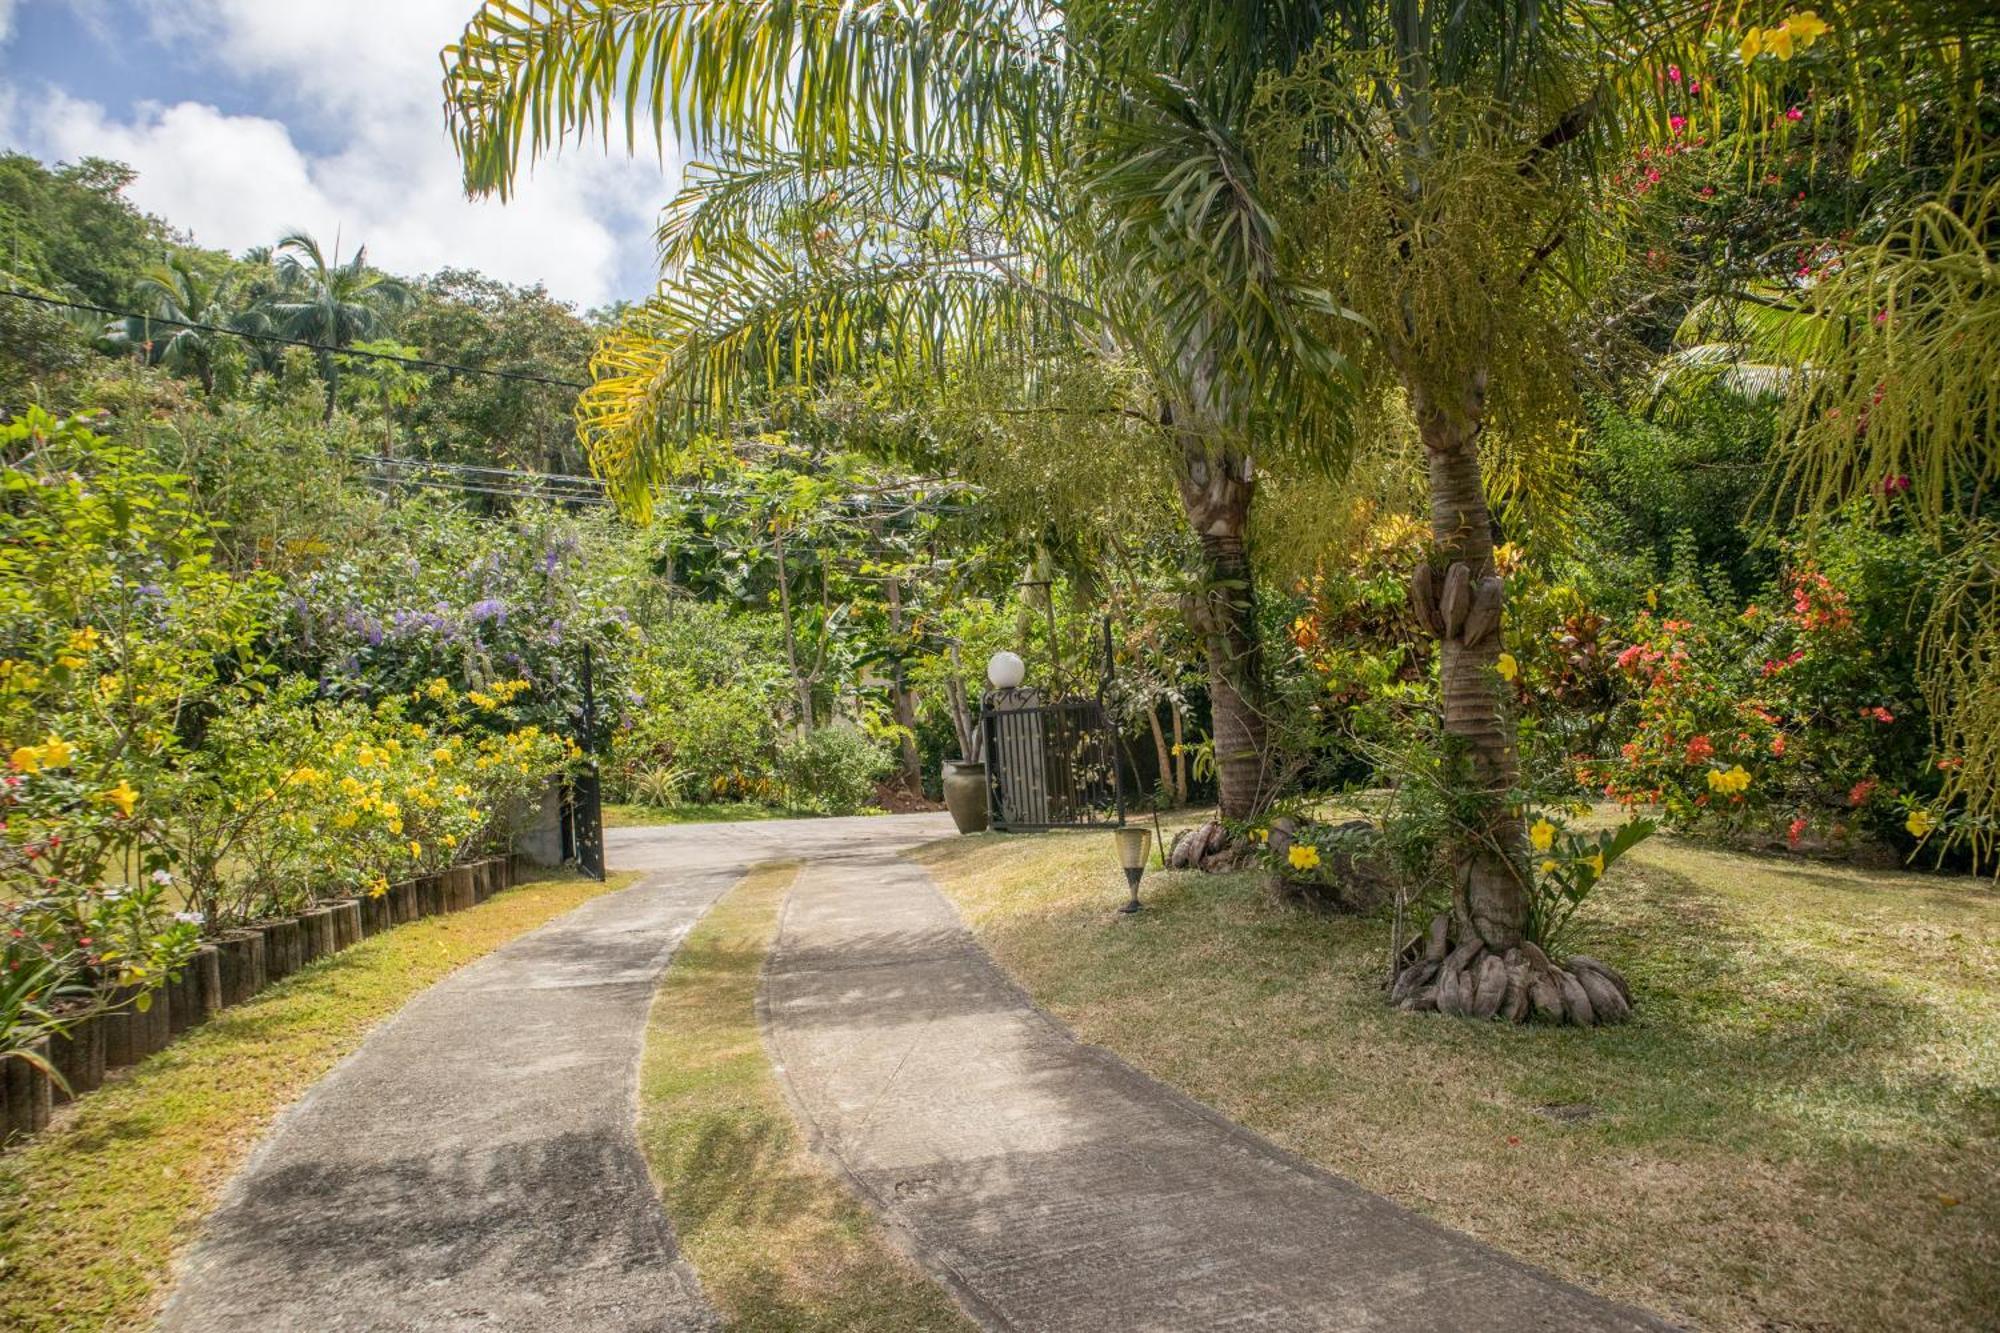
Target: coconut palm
(327, 302)
(182, 296)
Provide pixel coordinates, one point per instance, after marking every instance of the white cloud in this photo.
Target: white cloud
(352, 140)
(6, 19)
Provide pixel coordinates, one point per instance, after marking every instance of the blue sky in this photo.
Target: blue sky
(247, 118)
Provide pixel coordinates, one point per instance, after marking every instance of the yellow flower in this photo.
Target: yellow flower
(1596, 863)
(123, 797)
(1806, 27)
(1652, 598)
(450, 840)
(1778, 41)
(1303, 856)
(1729, 783)
(416, 849)
(1753, 42)
(26, 759)
(83, 640)
(441, 755)
(1543, 835)
(1548, 867)
(57, 752)
(1919, 823)
(396, 826)
(345, 819)
(1507, 667)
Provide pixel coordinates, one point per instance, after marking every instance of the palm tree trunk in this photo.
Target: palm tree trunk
(1164, 756)
(1489, 897)
(800, 685)
(1180, 758)
(1216, 492)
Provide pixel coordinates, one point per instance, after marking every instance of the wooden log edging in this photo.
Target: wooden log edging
(26, 1096)
(225, 971)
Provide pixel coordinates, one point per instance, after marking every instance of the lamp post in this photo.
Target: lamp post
(1132, 846)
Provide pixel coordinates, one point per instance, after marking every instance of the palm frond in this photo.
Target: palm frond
(530, 75)
(1904, 384)
(680, 368)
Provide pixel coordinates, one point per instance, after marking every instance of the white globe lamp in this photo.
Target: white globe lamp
(1006, 670)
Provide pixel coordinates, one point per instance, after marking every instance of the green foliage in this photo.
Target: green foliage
(832, 770)
(70, 228)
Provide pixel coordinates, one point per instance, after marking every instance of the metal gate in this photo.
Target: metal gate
(1050, 765)
(582, 798)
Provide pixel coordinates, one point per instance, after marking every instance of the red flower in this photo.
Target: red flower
(1895, 485)
(1796, 830)
(1699, 750)
(1859, 793)
(1793, 113)
(1778, 746)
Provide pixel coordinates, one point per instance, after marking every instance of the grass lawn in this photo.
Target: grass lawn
(1801, 1129)
(732, 812)
(94, 1212)
(778, 1241)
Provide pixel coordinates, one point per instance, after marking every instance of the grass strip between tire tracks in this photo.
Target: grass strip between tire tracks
(94, 1211)
(777, 1239)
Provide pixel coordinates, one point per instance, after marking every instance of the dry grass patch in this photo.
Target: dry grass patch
(1800, 1131)
(94, 1212)
(778, 1242)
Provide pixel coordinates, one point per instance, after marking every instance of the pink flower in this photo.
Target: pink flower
(1895, 485)
(1694, 86)
(1673, 73)
(1677, 123)
(1793, 113)
(1858, 795)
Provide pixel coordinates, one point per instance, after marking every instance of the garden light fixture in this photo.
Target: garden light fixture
(1006, 670)
(1132, 847)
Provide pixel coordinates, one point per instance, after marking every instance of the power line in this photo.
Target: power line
(446, 366)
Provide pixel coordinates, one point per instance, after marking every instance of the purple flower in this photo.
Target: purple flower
(490, 608)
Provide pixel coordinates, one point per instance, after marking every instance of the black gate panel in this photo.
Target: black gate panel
(583, 799)
(583, 821)
(1051, 765)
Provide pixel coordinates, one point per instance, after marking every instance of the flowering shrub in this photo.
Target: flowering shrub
(163, 777)
(1568, 864)
(1797, 711)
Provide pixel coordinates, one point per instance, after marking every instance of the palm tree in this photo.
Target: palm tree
(944, 191)
(1262, 206)
(329, 303)
(183, 296)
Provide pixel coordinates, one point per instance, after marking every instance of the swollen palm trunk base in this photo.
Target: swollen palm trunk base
(1491, 971)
